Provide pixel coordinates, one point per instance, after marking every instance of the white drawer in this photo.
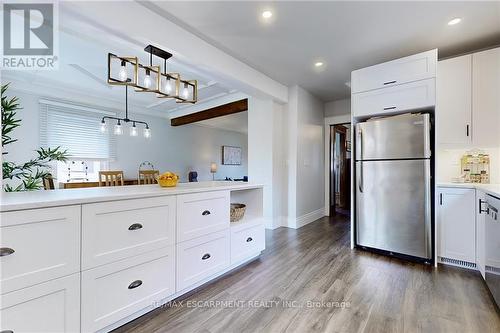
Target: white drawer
(120, 229)
(49, 307)
(200, 258)
(117, 290)
(199, 214)
(246, 241)
(409, 96)
(408, 69)
(44, 244)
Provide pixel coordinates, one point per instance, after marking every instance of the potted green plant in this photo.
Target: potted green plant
(30, 173)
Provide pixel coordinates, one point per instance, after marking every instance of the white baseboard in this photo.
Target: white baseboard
(306, 219)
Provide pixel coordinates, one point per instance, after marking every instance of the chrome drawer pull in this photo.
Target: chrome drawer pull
(135, 226)
(389, 82)
(205, 256)
(135, 284)
(6, 251)
(206, 212)
(390, 108)
(249, 239)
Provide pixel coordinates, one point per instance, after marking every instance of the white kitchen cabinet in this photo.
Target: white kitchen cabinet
(50, 307)
(454, 100)
(486, 98)
(114, 291)
(38, 245)
(121, 229)
(247, 239)
(481, 209)
(400, 71)
(456, 226)
(410, 96)
(200, 258)
(199, 214)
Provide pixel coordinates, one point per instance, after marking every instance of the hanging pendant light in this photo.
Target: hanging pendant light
(118, 129)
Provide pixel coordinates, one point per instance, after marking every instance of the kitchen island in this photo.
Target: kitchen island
(93, 259)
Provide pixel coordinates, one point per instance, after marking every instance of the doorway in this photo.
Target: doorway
(340, 169)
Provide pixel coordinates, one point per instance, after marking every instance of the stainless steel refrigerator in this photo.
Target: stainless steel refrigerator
(393, 185)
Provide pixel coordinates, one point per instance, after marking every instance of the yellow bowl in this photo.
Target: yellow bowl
(168, 182)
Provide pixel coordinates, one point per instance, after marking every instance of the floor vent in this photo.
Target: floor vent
(458, 263)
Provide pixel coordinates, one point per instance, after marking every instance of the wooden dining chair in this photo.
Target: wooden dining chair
(110, 178)
(148, 177)
(48, 182)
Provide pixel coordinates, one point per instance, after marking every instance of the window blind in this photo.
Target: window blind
(75, 129)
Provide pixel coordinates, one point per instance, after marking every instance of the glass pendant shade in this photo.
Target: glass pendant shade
(133, 130)
(147, 132)
(103, 128)
(122, 70)
(118, 130)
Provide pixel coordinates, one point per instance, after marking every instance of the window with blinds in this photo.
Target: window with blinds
(76, 129)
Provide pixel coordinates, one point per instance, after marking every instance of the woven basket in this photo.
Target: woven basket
(237, 211)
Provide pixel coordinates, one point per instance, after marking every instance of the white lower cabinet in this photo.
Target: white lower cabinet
(456, 226)
(200, 258)
(38, 245)
(246, 240)
(115, 291)
(481, 208)
(49, 307)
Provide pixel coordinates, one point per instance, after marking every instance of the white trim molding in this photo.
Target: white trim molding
(306, 218)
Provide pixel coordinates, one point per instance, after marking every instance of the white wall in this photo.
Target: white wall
(448, 163)
(338, 108)
(178, 149)
(305, 120)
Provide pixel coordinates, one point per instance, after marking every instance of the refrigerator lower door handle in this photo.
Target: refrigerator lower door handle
(428, 215)
(360, 180)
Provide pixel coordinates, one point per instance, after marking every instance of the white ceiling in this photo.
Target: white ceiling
(82, 72)
(344, 35)
(237, 122)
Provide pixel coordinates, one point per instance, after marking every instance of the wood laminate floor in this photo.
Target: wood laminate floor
(315, 264)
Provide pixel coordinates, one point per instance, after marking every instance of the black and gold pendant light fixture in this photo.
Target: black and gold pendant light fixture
(150, 78)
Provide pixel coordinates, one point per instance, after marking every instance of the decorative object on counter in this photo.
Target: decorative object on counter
(237, 212)
(118, 130)
(31, 173)
(148, 177)
(150, 78)
(231, 155)
(111, 178)
(168, 179)
(193, 176)
(80, 168)
(475, 167)
(213, 169)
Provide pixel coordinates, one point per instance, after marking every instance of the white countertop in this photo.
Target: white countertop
(492, 189)
(43, 199)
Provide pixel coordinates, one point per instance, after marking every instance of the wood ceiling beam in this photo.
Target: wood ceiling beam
(218, 111)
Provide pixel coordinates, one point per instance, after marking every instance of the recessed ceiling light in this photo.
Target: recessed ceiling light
(318, 64)
(267, 14)
(455, 21)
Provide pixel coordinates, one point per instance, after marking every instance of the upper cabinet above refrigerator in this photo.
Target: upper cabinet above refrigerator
(408, 69)
(397, 86)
